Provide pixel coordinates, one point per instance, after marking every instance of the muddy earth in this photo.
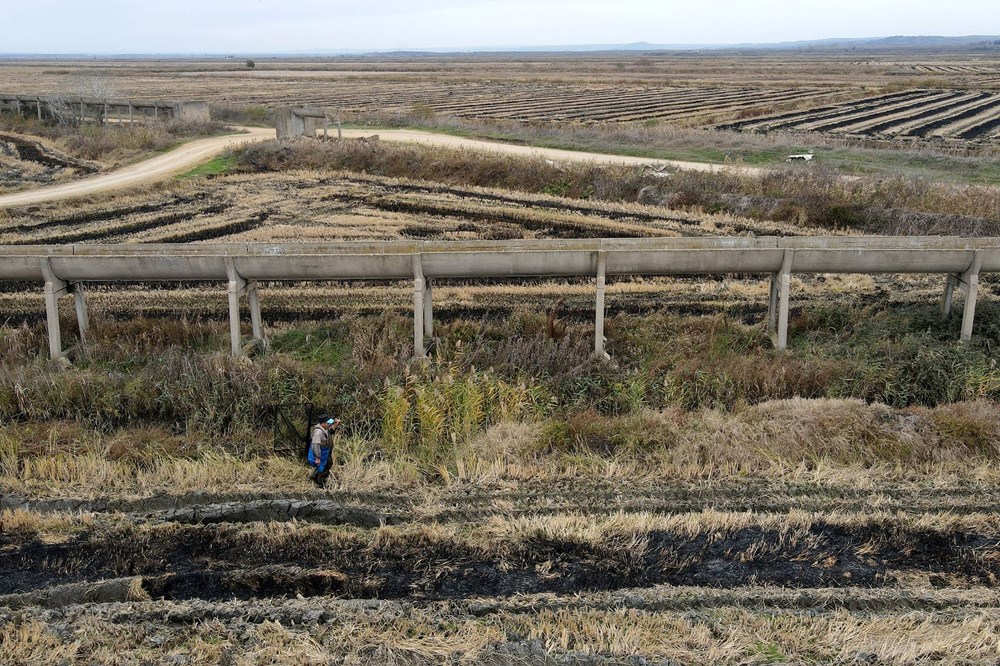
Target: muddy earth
(26, 163)
(500, 573)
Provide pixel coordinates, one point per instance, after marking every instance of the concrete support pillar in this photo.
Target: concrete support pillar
(599, 339)
(428, 309)
(781, 284)
(238, 286)
(55, 288)
(969, 313)
(255, 319)
(130, 113)
(38, 103)
(970, 280)
(947, 303)
(772, 306)
(82, 316)
(17, 106)
(419, 308)
(967, 282)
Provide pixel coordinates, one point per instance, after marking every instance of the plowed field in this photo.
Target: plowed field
(596, 573)
(954, 115)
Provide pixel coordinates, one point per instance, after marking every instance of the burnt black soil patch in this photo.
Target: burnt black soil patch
(549, 228)
(122, 230)
(113, 213)
(264, 582)
(530, 203)
(220, 231)
(223, 561)
(33, 151)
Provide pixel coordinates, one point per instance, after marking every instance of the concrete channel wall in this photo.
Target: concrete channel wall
(65, 269)
(292, 122)
(81, 108)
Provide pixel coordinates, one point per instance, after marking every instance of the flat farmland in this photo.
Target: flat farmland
(698, 498)
(300, 207)
(963, 115)
(686, 89)
(362, 94)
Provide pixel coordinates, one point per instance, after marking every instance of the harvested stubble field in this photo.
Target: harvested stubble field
(687, 89)
(529, 101)
(307, 206)
(700, 499)
(916, 114)
(315, 191)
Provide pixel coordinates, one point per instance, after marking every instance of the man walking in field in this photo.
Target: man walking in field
(319, 449)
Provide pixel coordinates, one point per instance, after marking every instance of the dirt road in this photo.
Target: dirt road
(197, 152)
(157, 168)
(555, 154)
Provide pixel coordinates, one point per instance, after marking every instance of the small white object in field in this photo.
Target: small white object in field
(795, 158)
(656, 172)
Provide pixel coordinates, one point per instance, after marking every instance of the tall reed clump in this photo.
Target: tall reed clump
(431, 415)
(212, 393)
(10, 452)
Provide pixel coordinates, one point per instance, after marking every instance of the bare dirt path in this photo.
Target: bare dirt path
(197, 152)
(160, 167)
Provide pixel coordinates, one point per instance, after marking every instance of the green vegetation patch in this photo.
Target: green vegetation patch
(216, 167)
(324, 345)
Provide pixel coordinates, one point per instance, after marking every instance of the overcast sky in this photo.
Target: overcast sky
(257, 26)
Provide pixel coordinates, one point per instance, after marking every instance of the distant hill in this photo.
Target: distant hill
(899, 42)
(917, 42)
(896, 42)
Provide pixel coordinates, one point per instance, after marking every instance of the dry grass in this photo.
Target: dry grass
(438, 634)
(813, 441)
(352, 206)
(93, 474)
(50, 527)
(32, 643)
(744, 637)
(799, 199)
(111, 143)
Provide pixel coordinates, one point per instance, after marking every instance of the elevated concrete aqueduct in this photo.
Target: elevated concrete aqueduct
(304, 121)
(65, 269)
(121, 109)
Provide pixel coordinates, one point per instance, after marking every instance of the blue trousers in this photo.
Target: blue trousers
(324, 459)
